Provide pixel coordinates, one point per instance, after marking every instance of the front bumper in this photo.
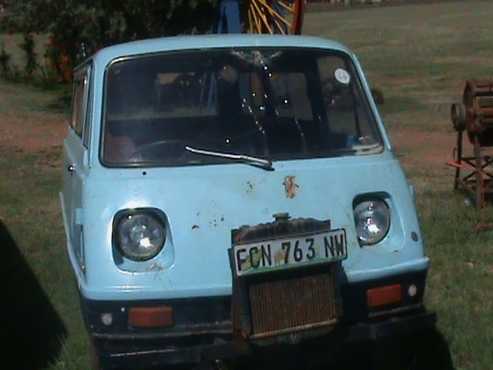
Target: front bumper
(400, 325)
(203, 328)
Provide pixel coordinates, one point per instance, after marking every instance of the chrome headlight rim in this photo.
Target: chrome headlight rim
(378, 205)
(154, 214)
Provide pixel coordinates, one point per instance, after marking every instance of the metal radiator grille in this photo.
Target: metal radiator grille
(292, 304)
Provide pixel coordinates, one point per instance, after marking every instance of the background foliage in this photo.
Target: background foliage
(77, 28)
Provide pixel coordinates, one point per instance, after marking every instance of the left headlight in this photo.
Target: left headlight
(372, 219)
(140, 235)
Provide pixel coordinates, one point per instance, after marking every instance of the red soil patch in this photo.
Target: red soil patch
(423, 148)
(33, 132)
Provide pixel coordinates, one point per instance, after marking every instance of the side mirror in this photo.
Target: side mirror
(377, 96)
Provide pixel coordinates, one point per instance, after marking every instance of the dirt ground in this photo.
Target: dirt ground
(423, 148)
(32, 133)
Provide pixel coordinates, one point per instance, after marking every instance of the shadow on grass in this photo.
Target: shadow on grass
(31, 331)
(426, 350)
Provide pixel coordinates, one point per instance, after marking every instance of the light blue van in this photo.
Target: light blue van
(223, 194)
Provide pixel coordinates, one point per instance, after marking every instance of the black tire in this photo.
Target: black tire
(94, 357)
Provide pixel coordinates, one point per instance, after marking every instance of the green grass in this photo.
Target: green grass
(419, 57)
(23, 99)
(418, 53)
(30, 212)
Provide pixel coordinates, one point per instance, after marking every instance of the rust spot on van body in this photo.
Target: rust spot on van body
(290, 186)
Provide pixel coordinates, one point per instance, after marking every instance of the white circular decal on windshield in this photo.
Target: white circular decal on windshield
(342, 76)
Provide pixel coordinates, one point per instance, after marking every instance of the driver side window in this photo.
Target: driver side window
(80, 98)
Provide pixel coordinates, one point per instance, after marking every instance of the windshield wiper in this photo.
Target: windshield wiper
(254, 161)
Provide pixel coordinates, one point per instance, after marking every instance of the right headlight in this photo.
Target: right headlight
(140, 234)
(372, 219)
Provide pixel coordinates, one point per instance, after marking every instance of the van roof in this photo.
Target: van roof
(106, 55)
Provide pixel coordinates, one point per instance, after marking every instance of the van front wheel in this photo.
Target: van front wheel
(94, 357)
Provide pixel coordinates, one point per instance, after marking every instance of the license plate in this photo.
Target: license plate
(268, 255)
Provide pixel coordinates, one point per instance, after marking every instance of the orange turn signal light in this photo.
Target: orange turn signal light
(383, 296)
(150, 317)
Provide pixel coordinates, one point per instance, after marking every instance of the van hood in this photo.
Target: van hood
(203, 204)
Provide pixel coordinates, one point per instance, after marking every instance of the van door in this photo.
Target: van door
(76, 164)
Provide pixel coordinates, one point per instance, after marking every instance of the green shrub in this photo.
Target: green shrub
(5, 69)
(31, 64)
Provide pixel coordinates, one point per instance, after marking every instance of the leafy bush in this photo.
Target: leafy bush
(4, 62)
(31, 63)
(80, 27)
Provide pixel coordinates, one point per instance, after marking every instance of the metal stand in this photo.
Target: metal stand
(472, 173)
(474, 117)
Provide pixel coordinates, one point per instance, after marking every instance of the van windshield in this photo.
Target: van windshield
(267, 103)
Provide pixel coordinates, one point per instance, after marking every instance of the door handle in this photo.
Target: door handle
(71, 168)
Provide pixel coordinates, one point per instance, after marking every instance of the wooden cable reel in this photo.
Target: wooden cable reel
(474, 117)
(274, 16)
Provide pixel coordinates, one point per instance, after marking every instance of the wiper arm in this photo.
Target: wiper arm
(254, 161)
